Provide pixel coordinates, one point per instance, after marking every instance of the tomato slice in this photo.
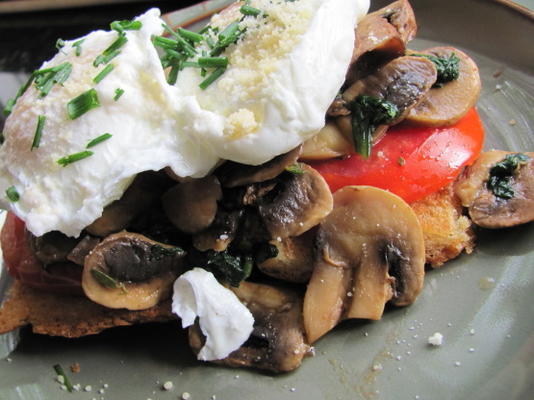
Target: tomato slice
(411, 162)
(22, 264)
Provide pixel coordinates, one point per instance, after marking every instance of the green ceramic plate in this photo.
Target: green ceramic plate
(481, 303)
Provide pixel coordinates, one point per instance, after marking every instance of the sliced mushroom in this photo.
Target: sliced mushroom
(82, 249)
(277, 341)
(221, 233)
(403, 82)
(445, 105)
(370, 250)
(52, 247)
(485, 208)
(294, 261)
(144, 191)
(302, 203)
(329, 142)
(381, 36)
(233, 174)
(128, 270)
(191, 206)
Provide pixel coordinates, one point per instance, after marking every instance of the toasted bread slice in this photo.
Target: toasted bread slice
(446, 231)
(69, 316)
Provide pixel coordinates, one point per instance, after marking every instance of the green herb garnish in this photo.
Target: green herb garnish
(60, 43)
(213, 62)
(501, 175)
(126, 25)
(118, 93)
(12, 194)
(367, 114)
(78, 47)
(158, 252)
(46, 78)
(228, 268)
(38, 132)
(83, 103)
(228, 36)
(295, 169)
(60, 372)
(105, 280)
(448, 67)
(212, 78)
(111, 52)
(249, 10)
(107, 69)
(190, 35)
(98, 140)
(64, 161)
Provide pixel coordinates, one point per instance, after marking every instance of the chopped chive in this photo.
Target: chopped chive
(83, 103)
(12, 194)
(173, 75)
(78, 46)
(213, 62)
(118, 93)
(228, 36)
(38, 132)
(60, 43)
(64, 161)
(165, 43)
(168, 29)
(205, 29)
(107, 281)
(60, 372)
(295, 169)
(211, 78)
(103, 73)
(249, 10)
(98, 140)
(190, 64)
(46, 78)
(190, 35)
(111, 52)
(126, 25)
(11, 102)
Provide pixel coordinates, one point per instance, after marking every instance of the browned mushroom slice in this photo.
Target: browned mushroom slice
(277, 341)
(128, 270)
(329, 142)
(233, 174)
(191, 206)
(370, 250)
(221, 233)
(508, 199)
(380, 37)
(445, 105)
(294, 261)
(302, 203)
(144, 191)
(52, 247)
(403, 82)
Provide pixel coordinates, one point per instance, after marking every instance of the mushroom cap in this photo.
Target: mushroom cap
(370, 250)
(487, 210)
(447, 104)
(143, 269)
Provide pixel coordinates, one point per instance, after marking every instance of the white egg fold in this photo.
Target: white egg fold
(272, 97)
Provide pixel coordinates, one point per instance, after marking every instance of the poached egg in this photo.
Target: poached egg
(283, 73)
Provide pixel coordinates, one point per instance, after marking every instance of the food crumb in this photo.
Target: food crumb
(63, 387)
(366, 334)
(512, 122)
(457, 363)
(77, 387)
(293, 389)
(377, 367)
(471, 349)
(105, 385)
(186, 396)
(60, 379)
(213, 397)
(398, 358)
(88, 388)
(497, 73)
(75, 368)
(449, 324)
(236, 377)
(168, 385)
(436, 339)
(472, 332)
(9, 359)
(498, 87)
(101, 391)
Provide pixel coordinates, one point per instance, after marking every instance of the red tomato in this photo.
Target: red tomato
(24, 266)
(409, 161)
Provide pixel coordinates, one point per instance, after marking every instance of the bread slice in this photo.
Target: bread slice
(69, 316)
(446, 230)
